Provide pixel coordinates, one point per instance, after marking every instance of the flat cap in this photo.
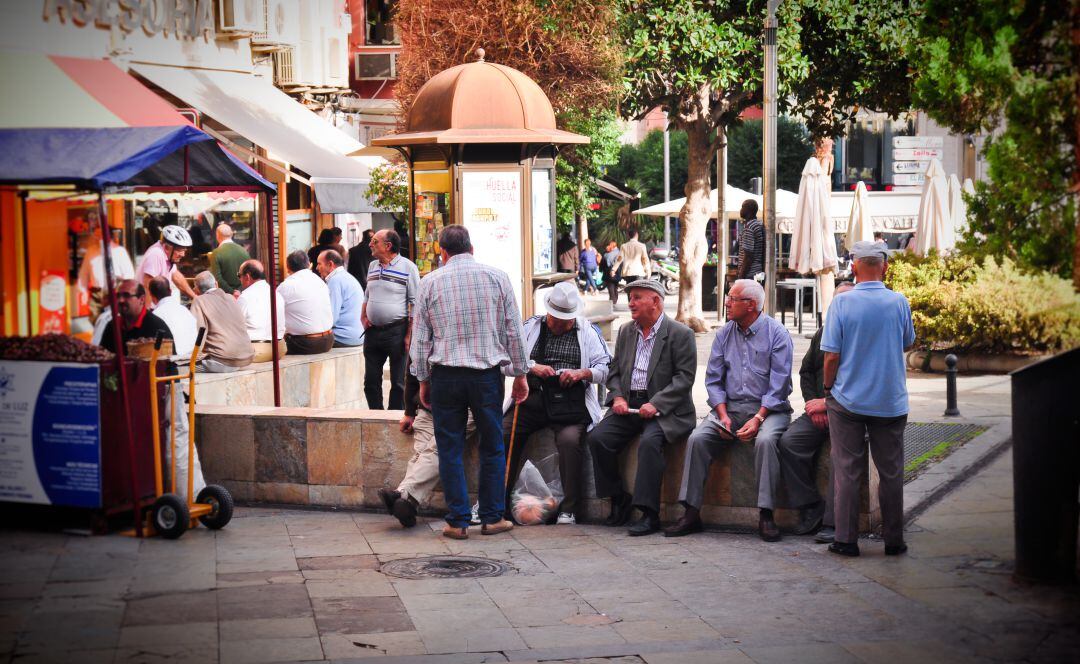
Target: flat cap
(648, 284)
(868, 249)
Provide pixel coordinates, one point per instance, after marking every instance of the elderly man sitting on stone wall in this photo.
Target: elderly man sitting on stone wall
(567, 355)
(748, 380)
(649, 390)
(226, 346)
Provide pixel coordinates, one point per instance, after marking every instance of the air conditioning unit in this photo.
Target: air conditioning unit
(241, 17)
(284, 74)
(281, 21)
(336, 62)
(376, 66)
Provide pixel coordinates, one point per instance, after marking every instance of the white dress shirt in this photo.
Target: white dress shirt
(255, 301)
(181, 323)
(307, 303)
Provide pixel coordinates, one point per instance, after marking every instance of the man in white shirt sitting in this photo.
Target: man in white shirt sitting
(255, 301)
(180, 321)
(309, 318)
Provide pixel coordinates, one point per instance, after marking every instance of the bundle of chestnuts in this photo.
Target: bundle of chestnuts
(52, 348)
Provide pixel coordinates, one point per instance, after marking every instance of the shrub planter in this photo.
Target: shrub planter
(971, 362)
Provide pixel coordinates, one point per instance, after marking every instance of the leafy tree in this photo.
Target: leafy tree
(744, 152)
(641, 166)
(569, 47)
(1011, 68)
(388, 189)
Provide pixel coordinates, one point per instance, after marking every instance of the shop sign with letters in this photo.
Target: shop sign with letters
(186, 19)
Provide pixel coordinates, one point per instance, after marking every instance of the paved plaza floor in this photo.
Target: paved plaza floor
(291, 585)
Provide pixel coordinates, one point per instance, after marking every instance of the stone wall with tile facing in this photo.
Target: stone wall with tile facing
(327, 380)
(341, 458)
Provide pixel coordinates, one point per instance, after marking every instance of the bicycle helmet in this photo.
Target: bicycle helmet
(176, 235)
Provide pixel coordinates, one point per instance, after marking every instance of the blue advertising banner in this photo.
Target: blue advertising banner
(50, 433)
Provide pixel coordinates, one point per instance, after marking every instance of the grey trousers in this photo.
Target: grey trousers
(706, 442)
(799, 447)
(611, 436)
(848, 432)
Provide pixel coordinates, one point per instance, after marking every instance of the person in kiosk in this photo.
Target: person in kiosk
(567, 355)
(161, 259)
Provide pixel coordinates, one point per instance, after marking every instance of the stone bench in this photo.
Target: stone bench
(341, 458)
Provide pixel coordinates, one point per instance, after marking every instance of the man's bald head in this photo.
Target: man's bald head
(250, 271)
(224, 232)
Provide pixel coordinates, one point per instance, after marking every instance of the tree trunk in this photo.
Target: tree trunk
(583, 223)
(694, 219)
(1075, 17)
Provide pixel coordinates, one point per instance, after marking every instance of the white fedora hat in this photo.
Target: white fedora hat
(562, 301)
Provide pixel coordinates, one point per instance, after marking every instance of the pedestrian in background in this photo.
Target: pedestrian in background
(226, 259)
(589, 262)
(612, 276)
(326, 241)
(865, 382)
(633, 259)
(751, 243)
(360, 258)
(393, 282)
(568, 254)
(467, 327)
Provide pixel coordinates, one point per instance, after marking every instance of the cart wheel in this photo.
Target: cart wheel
(170, 516)
(221, 502)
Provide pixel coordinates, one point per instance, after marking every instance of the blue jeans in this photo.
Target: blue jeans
(590, 278)
(454, 392)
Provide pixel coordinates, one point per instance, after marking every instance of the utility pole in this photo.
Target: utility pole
(769, 167)
(667, 182)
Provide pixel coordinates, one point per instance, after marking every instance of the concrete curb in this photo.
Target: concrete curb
(938, 480)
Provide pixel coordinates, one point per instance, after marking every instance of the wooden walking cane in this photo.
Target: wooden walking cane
(513, 438)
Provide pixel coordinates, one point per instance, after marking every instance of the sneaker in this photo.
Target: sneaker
(475, 519)
(565, 519)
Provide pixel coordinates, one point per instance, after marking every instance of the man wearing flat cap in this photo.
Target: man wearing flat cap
(865, 381)
(567, 357)
(649, 384)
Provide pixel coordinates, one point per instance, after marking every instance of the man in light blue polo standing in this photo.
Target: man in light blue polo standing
(866, 333)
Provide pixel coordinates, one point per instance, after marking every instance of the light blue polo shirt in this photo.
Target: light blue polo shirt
(869, 327)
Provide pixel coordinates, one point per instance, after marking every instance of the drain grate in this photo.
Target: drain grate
(921, 439)
(444, 567)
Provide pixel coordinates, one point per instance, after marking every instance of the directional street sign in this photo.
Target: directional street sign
(917, 154)
(918, 141)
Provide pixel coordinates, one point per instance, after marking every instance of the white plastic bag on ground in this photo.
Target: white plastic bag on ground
(534, 499)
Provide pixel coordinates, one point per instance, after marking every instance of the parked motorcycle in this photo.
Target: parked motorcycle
(665, 268)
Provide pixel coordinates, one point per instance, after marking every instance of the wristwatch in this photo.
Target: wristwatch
(759, 418)
(827, 389)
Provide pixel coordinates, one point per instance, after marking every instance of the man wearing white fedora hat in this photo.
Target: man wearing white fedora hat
(567, 354)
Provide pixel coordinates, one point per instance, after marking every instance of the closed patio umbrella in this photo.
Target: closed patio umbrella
(813, 245)
(957, 207)
(934, 228)
(859, 226)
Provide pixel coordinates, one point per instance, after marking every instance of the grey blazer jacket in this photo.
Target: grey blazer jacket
(672, 368)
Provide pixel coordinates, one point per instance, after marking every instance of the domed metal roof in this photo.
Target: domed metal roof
(480, 102)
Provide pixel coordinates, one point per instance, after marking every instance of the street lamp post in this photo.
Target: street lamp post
(667, 183)
(769, 158)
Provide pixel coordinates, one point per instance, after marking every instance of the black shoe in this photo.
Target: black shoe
(826, 535)
(405, 512)
(646, 525)
(810, 519)
(845, 549)
(895, 549)
(621, 507)
(767, 528)
(389, 497)
(684, 526)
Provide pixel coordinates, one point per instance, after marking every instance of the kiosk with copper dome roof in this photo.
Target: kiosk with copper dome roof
(480, 142)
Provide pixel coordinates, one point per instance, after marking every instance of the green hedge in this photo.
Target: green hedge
(957, 303)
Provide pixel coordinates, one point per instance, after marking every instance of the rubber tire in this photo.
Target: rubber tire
(170, 516)
(672, 286)
(219, 496)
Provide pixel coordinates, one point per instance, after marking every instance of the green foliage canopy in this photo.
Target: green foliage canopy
(793, 148)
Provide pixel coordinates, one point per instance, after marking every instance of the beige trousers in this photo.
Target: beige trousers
(422, 473)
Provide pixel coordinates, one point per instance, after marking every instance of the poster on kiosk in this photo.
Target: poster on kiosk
(50, 433)
(491, 210)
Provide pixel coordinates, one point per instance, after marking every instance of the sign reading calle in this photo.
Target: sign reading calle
(187, 19)
(917, 154)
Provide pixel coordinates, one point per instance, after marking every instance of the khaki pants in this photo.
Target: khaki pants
(422, 473)
(264, 352)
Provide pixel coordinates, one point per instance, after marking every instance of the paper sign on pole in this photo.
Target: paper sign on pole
(491, 210)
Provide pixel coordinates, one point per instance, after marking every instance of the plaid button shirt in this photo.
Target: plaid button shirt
(466, 316)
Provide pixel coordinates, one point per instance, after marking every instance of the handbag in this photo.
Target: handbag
(563, 405)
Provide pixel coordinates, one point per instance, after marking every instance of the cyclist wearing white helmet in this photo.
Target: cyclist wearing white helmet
(161, 258)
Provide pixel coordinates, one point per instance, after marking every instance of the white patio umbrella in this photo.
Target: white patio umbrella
(934, 229)
(859, 226)
(957, 207)
(813, 246)
(733, 200)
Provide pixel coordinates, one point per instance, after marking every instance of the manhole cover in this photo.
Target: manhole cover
(444, 567)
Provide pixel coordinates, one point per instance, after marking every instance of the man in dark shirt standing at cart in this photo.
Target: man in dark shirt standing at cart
(751, 242)
(137, 322)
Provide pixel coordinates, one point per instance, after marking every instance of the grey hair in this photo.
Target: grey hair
(205, 281)
(874, 261)
(752, 289)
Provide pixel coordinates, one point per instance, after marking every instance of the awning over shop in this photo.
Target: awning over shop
(253, 107)
(87, 123)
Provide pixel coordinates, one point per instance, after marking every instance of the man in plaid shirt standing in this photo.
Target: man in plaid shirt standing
(466, 327)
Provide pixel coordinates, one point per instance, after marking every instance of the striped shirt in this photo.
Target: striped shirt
(466, 315)
(391, 290)
(639, 377)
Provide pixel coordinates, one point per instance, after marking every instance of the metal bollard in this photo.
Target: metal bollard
(950, 387)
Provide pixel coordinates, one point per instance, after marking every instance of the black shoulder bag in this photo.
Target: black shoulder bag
(564, 405)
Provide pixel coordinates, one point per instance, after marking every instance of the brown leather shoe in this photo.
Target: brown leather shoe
(453, 532)
(497, 527)
(767, 528)
(684, 526)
